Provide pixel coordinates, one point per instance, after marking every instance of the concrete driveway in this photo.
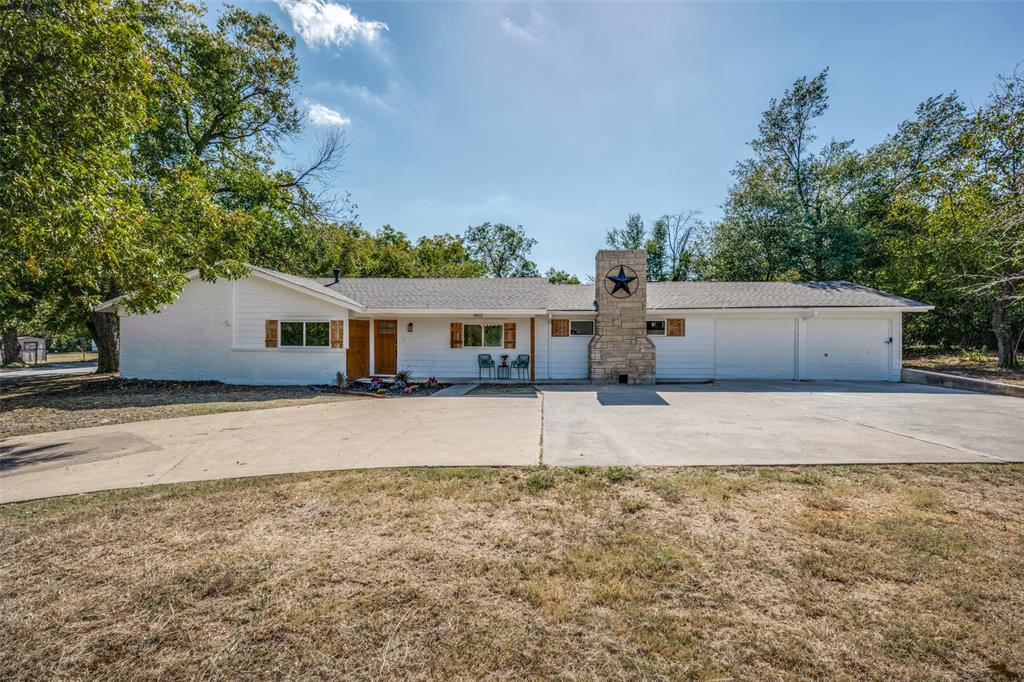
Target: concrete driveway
(724, 423)
(48, 370)
(749, 422)
(350, 434)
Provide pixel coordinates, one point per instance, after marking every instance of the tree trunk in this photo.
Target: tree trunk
(106, 332)
(11, 347)
(1005, 343)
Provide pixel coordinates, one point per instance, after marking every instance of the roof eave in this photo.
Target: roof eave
(800, 309)
(407, 312)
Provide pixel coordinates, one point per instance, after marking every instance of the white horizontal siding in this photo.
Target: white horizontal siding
(569, 357)
(191, 340)
(686, 357)
(257, 300)
(426, 350)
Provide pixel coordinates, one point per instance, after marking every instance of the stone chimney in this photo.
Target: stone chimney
(620, 351)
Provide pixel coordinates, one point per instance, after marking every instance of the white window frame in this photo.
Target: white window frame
(592, 323)
(483, 334)
(280, 333)
(664, 327)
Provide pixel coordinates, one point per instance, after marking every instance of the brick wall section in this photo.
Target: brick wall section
(620, 344)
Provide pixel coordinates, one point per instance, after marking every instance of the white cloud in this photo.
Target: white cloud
(319, 115)
(322, 22)
(534, 30)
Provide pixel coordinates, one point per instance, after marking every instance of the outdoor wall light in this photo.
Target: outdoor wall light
(410, 327)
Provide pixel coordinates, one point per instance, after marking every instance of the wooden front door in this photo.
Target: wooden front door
(357, 360)
(385, 346)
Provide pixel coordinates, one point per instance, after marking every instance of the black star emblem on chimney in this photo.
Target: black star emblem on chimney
(621, 281)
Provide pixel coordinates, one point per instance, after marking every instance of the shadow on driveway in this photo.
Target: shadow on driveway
(24, 458)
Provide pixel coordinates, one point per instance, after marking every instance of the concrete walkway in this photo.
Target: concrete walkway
(720, 424)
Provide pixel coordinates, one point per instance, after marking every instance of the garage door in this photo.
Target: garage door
(848, 349)
(755, 348)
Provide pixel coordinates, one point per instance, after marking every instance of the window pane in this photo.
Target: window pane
(291, 333)
(318, 333)
(581, 328)
(656, 327)
(472, 335)
(492, 335)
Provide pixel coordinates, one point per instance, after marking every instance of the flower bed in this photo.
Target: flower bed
(387, 387)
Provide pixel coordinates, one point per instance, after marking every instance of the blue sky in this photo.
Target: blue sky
(567, 117)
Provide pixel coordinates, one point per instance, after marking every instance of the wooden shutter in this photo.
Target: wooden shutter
(559, 327)
(337, 333)
(456, 337)
(510, 335)
(270, 340)
(676, 328)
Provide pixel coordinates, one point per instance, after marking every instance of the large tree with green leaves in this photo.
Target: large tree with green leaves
(789, 214)
(561, 277)
(948, 227)
(632, 235)
(169, 166)
(74, 81)
(504, 250)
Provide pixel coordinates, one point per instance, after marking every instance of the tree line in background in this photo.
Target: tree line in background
(935, 212)
(137, 144)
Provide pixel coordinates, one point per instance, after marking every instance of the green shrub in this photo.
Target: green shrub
(540, 481)
(620, 474)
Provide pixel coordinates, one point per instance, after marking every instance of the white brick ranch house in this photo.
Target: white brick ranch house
(273, 328)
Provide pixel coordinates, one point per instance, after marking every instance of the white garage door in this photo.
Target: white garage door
(755, 348)
(848, 349)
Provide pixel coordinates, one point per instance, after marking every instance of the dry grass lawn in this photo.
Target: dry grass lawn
(71, 402)
(857, 573)
(975, 365)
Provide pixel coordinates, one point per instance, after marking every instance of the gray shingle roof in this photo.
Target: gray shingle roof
(683, 295)
(538, 294)
(527, 293)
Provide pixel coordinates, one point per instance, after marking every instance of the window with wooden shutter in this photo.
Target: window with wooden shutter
(456, 335)
(559, 327)
(337, 333)
(270, 340)
(510, 335)
(677, 327)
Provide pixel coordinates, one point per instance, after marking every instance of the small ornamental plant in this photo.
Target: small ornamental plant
(432, 382)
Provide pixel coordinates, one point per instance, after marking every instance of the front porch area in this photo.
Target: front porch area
(454, 348)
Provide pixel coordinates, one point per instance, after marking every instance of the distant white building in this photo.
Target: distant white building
(33, 349)
(273, 328)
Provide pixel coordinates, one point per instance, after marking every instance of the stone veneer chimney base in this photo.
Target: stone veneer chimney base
(620, 351)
